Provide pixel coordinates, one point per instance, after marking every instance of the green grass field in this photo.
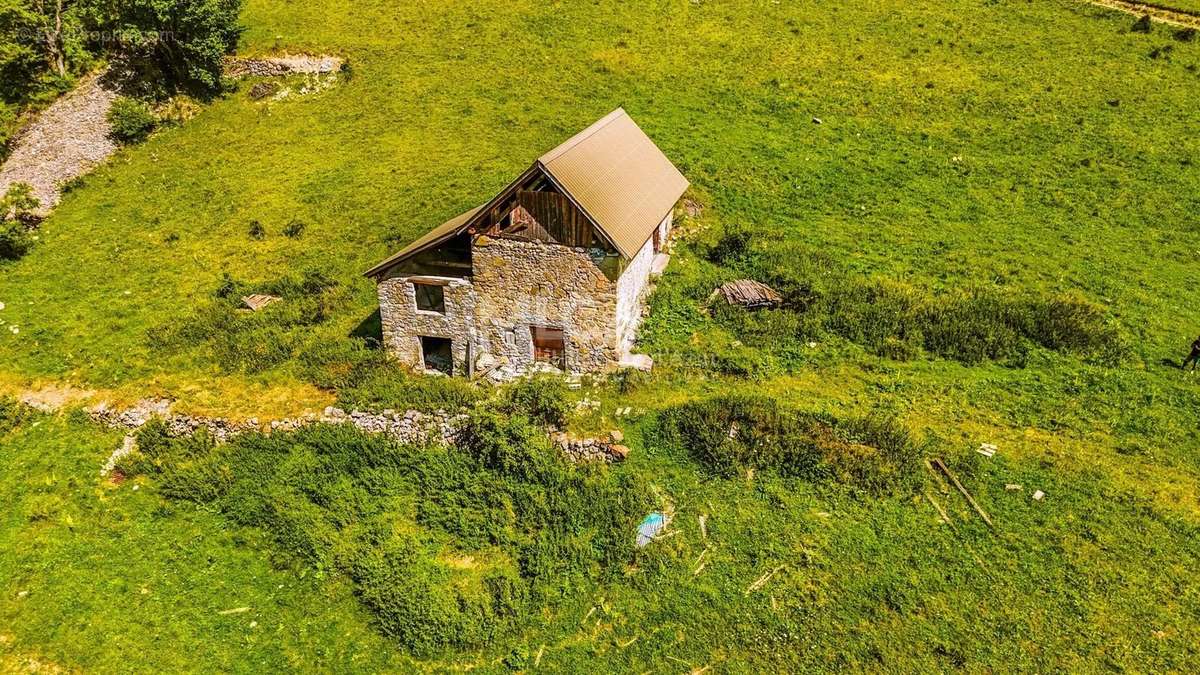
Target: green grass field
(1009, 148)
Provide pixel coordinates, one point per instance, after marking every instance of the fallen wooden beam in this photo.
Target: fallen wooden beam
(762, 581)
(941, 512)
(970, 500)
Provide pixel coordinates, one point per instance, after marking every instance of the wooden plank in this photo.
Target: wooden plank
(970, 500)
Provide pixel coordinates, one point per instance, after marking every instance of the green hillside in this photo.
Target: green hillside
(983, 215)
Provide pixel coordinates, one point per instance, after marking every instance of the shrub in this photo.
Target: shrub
(20, 204)
(730, 435)
(446, 548)
(13, 414)
(542, 399)
(1144, 24)
(131, 120)
(294, 229)
(15, 240)
(1186, 34)
(256, 231)
(733, 246)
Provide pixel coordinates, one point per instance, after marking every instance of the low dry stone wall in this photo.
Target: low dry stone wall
(275, 66)
(579, 450)
(411, 426)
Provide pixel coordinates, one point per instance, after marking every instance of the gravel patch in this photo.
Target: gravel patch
(65, 141)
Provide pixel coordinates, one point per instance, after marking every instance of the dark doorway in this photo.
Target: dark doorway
(549, 346)
(437, 354)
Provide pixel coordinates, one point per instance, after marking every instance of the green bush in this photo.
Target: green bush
(15, 240)
(131, 120)
(294, 229)
(542, 399)
(13, 414)
(447, 548)
(731, 435)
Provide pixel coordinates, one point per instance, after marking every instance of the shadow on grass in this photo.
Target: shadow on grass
(370, 330)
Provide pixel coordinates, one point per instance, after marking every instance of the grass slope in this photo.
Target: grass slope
(1091, 578)
(1031, 148)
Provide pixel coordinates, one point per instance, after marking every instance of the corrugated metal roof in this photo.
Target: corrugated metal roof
(611, 170)
(616, 174)
(446, 230)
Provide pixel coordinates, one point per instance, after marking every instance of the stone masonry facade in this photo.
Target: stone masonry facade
(515, 286)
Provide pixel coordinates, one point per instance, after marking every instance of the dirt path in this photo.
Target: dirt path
(66, 140)
(1174, 17)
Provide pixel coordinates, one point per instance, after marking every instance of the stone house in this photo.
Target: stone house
(552, 270)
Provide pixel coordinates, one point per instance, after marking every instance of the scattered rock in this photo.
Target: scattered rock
(128, 445)
(263, 90)
(1039, 496)
(275, 66)
(616, 436)
(1012, 487)
(590, 449)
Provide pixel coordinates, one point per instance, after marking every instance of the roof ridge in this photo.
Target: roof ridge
(592, 129)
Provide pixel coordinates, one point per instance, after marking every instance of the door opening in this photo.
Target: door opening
(549, 346)
(437, 354)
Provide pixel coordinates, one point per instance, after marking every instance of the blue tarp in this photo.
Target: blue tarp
(650, 528)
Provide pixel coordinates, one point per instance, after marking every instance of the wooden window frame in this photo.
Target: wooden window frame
(434, 307)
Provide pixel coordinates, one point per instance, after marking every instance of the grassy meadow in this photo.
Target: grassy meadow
(983, 216)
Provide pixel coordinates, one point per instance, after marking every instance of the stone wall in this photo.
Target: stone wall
(519, 284)
(632, 287)
(403, 323)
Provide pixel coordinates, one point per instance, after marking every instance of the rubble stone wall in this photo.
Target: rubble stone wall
(403, 323)
(519, 284)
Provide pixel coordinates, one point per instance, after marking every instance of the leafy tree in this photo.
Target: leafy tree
(182, 41)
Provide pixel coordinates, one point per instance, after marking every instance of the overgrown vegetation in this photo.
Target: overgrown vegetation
(12, 414)
(17, 221)
(901, 320)
(131, 120)
(730, 435)
(447, 548)
(542, 398)
(243, 341)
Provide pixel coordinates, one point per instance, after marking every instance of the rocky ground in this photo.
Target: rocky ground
(66, 141)
(71, 137)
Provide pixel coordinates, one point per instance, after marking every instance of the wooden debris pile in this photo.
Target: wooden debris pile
(748, 293)
(258, 301)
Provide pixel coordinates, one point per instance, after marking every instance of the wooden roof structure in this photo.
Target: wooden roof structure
(611, 171)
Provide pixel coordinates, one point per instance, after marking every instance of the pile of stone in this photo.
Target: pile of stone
(63, 142)
(579, 450)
